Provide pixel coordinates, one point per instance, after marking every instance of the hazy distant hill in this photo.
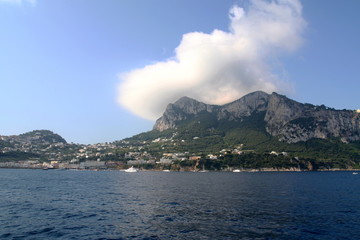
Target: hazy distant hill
(29, 145)
(34, 137)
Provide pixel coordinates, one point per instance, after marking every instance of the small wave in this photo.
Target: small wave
(5, 235)
(172, 203)
(40, 231)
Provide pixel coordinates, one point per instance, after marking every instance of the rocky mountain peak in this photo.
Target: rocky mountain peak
(190, 106)
(245, 106)
(284, 118)
(185, 100)
(181, 110)
(185, 107)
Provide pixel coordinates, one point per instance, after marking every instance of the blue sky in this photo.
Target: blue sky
(70, 66)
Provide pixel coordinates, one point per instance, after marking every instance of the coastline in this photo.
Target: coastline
(235, 170)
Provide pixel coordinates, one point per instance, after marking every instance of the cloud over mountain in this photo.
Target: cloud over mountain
(221, 66)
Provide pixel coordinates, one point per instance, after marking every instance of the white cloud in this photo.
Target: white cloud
(19, 2)
(222, 66)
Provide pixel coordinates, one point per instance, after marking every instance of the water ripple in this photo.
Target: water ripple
(151, 205)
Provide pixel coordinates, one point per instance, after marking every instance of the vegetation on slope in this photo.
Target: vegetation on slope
(203, 134)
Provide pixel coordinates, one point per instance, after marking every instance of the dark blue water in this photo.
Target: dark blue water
(37, 204)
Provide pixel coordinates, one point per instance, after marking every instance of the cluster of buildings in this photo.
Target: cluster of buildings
(36, 164)
(96, 156)
(49, 154)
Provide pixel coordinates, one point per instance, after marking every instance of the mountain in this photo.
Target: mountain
(258, 130)
(277, 115)
(36, 144)
(36, 137)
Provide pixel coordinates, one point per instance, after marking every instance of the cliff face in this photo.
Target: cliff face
(294, 122)
(287, 119)
(181, 110)
(252, 103)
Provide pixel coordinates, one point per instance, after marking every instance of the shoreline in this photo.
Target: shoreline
(197, 171)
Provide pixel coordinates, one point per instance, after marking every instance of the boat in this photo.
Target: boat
(355, 173)
(166, 170)
(132, 169)
(236, 170)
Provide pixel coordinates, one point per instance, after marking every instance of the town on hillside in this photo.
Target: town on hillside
(38, 152)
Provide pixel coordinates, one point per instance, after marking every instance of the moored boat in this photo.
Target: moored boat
(132, 169)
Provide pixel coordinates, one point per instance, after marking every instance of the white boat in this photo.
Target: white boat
(236, 170)
(355, 173)
(166, 170)
(132, 169)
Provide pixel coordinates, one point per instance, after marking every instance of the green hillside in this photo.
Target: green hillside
(203, 134)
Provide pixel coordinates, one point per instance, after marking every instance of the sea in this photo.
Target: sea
(65, 204)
